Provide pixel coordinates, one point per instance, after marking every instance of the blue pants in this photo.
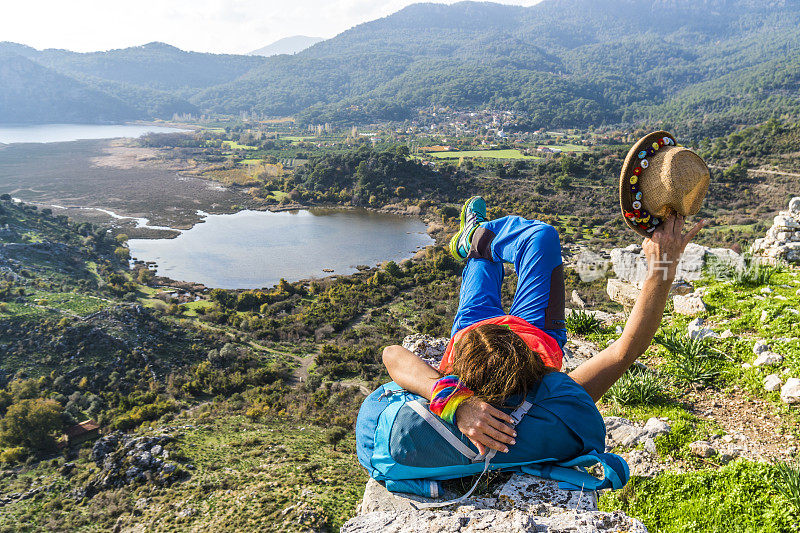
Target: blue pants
(534, 249)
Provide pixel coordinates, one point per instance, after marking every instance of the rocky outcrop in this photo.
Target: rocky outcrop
(524, 503)
(124, 459)
(782, 241)
(429, 348)
(630, 266)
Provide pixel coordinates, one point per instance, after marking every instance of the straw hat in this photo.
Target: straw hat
(660, 176)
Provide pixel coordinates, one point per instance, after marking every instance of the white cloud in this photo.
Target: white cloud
(232, 26)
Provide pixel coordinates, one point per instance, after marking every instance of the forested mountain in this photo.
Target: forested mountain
(565, 62)
(562, 63)
(147, 81)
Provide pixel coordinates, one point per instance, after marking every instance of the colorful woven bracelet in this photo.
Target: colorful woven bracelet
(447, 394)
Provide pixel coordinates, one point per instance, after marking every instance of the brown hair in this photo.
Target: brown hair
(496, 363)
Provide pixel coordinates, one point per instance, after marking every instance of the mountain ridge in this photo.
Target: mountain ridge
(561, 63)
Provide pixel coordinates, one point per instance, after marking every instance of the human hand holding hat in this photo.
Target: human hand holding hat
(660, 177)
(664, 247)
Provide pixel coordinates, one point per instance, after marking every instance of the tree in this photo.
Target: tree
(33, 424)
(336, 435)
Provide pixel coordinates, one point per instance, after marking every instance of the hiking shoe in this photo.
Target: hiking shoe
(473, 214)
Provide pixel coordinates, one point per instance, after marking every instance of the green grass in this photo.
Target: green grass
(190, 308)
(739, 497)
(233, 145)
(485, 154)
(296, 138)
(569, 147)
(79, 304)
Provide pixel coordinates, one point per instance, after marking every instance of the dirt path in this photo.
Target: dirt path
(756, 423)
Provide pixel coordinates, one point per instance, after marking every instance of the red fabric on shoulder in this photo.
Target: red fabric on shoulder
(536, 339)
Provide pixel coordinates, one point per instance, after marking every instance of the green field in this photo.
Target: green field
(233, 145)
(569, 147)
(487, 154)
(295, 138)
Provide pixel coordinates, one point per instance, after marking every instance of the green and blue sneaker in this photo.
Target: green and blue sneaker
(472, 215)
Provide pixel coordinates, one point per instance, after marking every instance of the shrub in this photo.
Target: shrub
(12, 455)
(581, 323)
(636, 387)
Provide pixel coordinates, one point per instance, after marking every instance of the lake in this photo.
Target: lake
(53, 133)
(254, 249)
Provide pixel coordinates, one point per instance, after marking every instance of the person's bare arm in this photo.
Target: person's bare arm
(484, 425)
(663, 252)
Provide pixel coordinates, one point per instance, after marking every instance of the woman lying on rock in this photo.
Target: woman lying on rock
(493, 355)
(499, 385)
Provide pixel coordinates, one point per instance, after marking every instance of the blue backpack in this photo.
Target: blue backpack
(560, 432)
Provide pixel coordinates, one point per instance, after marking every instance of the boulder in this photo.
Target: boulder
(768, 358)
(696, 330)
(429, 348)
(629, 263)
(790, 392)
(523, 504)
(577, 301)
(772, 382)
(622, 432)
(702, 448)
(591, 266)
(622, 292)
(760, 347)
(794, 206)
(690, 304)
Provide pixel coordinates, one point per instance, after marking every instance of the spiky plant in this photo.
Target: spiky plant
(580, 323)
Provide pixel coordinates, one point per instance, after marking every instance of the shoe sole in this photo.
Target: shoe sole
(462, 221)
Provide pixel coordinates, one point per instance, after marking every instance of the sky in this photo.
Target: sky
(221, 26)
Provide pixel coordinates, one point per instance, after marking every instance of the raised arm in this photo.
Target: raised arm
(484, 425)
(663, 251)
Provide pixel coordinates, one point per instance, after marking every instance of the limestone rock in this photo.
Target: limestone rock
(621, 292)
(768, 358)
(591, 266)
(790, 392)
(629, 263)
(429, 348)
(696, 330)
(690, 304)
(760, 346)
(524, 503)
(702, 448)
(576, 352)
(577, 301)
(794, 206)
(727, 334)
(622, 432)
(772, 382)
(780, 243)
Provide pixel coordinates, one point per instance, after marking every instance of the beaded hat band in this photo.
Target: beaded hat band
(660, 176)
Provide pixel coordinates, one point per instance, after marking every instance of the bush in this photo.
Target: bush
(582, 323)
(12, 455)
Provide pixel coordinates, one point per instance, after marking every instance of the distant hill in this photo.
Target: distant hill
(703, 64)
(287, 45)
(149, 81)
